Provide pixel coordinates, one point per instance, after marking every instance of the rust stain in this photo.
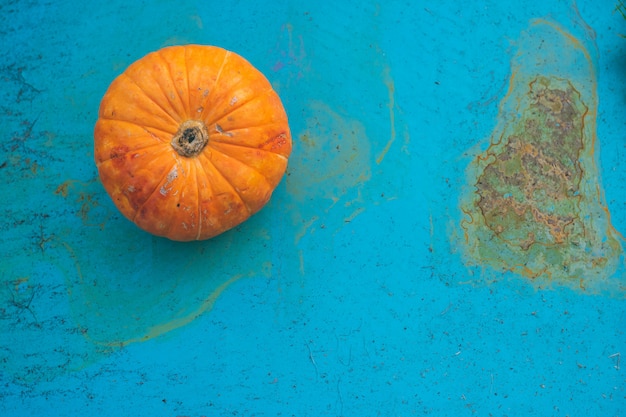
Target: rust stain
(535, 207)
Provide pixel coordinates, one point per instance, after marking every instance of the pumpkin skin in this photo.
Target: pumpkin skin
(150, 149)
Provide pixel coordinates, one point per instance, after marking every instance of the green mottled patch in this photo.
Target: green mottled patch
(529, 193)
(534, 205)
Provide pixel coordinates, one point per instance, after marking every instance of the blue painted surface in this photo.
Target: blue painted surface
(345, 295)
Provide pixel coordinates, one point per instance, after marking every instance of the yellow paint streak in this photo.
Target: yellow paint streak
(303, 231)
(301, 257)
(610, 228)
(575, 42)
(354, 214)
(160, 329)
(392, 118)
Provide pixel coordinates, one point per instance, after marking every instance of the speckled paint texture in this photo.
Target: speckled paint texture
(362, 288)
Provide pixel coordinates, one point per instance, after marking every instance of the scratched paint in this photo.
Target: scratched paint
(113, 293)
(51, 343)
(347, 284)
(536, 204)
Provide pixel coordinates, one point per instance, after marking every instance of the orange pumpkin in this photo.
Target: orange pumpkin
(191, 141)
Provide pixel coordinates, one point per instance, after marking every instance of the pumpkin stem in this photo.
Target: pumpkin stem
(191, 138)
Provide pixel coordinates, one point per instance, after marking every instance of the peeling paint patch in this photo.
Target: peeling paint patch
(535, 206)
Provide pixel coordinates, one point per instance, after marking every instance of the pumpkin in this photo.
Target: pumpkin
(191, 141)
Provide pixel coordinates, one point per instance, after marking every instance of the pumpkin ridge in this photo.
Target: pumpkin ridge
(169, 71)
(101, 154)
(156, 190)
(182, 166)
(206, 104)
(161, 141)
(143, 148)
(265, 125)
(188, 170)
(146, 93)
(242, 162)
(219, 73)
(267, 183)
(240, 103)
(198, 169)
(232, 187)
(157, 152)
(188, 86)
(142, 125)
(235, 145)
(241, 145)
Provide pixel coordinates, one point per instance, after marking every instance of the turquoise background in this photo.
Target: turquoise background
(344, 296)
